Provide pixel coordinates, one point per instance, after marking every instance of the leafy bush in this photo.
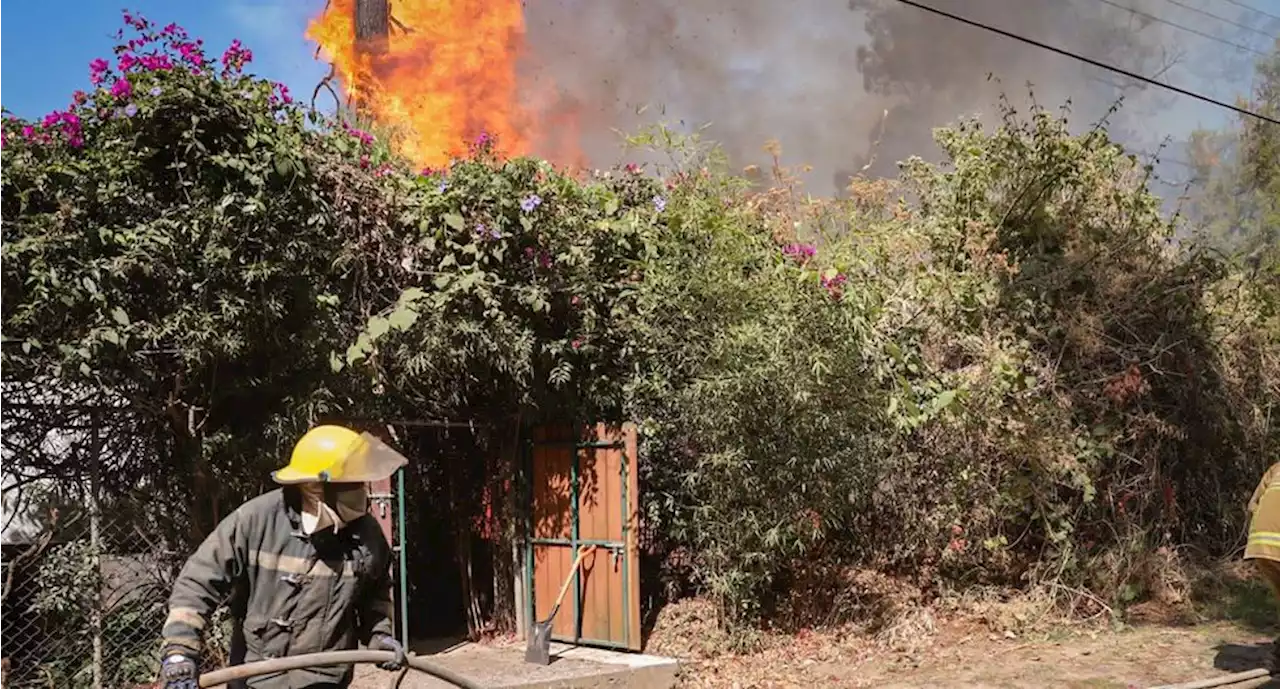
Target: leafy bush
(996, 370)
(176, 246)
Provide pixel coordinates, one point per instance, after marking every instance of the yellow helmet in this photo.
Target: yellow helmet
(339, 455)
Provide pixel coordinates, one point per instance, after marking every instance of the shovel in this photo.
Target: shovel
(539, 649)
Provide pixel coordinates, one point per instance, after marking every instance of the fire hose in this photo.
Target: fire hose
(1249, 679)
(218, 678)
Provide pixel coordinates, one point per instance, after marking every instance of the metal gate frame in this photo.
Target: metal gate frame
(574, 541)
(380, 497)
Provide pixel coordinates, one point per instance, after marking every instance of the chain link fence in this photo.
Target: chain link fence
(95, 530)
(84, 599)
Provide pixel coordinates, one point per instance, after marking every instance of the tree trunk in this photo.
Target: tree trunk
(505, 530)
(373, 25)
(372, 21)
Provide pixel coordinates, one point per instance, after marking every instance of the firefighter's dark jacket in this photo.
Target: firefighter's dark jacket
(287, 593)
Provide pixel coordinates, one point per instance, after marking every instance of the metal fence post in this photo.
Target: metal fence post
(95, 545)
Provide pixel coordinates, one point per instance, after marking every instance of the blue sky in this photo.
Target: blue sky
(47, 46)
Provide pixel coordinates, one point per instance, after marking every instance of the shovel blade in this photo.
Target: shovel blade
(538, 651)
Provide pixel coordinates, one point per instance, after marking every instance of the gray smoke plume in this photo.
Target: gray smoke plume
(819, 76)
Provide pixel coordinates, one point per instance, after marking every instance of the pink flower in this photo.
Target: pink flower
(98, 71)
(127, 61)
(28, 132)
(79, 97)
(576, 344)
(122, 88)
(156, 63)
(279, 95)
(364, 161)
(236, 57)
(191, 53)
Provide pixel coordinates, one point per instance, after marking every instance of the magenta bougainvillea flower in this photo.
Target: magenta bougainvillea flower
(122, 88)
(98, 71)
(236, 57)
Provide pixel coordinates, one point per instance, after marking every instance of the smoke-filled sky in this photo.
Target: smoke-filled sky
(817, 75)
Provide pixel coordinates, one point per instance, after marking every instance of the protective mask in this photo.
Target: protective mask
(323, 508)
(352, 503)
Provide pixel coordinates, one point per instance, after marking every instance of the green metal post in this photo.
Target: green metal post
(574, 536)
(403, 557)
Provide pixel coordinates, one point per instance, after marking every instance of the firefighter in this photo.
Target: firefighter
(1264, 535)
(302, 569)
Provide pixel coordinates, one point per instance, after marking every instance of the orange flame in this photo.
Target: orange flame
(445, 75)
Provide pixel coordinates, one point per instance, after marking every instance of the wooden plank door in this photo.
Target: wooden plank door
(583, 493)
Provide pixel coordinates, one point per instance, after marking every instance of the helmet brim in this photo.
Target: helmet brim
(369, 460)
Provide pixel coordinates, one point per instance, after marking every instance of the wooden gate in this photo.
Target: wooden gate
(583, 491)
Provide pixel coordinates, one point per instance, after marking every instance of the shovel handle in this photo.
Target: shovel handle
(573, 571)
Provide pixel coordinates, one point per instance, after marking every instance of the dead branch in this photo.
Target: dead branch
(21, 561)
(327, 83)
(398, 24)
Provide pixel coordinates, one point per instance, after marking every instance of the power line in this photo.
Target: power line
(1198, 32)
(1090, 61)
(1252, 9)
(1224, 20)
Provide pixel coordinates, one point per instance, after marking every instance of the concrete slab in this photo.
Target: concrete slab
(502, 666)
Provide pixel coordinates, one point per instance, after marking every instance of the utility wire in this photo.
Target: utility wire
(1090, 61)
(1224, 20)
(1198, 32)
(1252, 9)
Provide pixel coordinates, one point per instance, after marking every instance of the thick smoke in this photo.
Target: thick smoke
(819, 75)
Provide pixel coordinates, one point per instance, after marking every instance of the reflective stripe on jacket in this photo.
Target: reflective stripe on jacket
(1264, 526)
(288, 593)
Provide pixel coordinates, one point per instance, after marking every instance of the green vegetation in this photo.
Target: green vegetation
(999, 369)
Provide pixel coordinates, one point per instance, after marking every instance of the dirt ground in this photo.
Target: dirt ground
(1228, 629)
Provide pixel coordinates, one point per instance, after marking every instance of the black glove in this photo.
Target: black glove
(386, 642)
(179, 671)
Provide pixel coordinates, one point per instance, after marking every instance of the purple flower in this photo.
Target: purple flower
(530, 203)
(155, 91)
(487, 233)
(659, 203)
(122, 88)
(131, 110)
(800, 252)
(443, 187)
(98, 71)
